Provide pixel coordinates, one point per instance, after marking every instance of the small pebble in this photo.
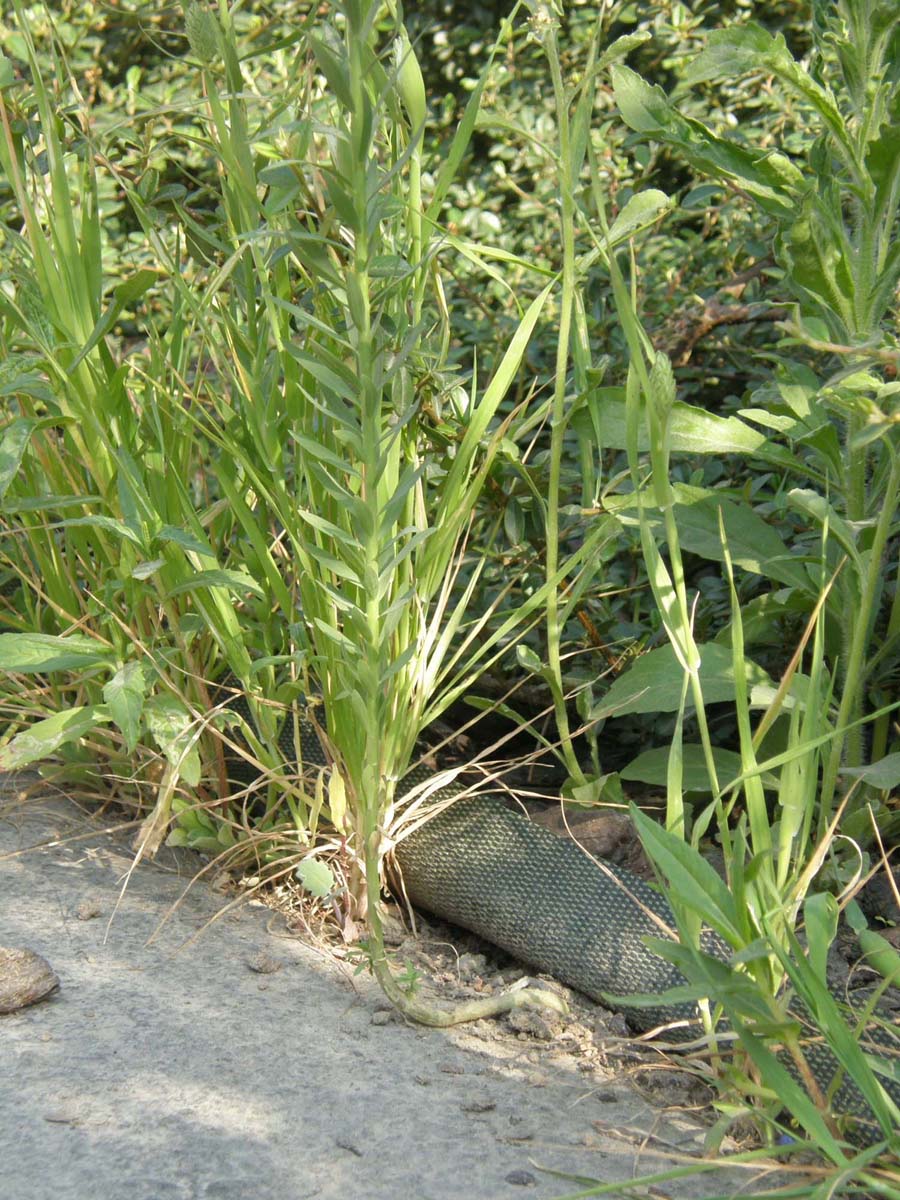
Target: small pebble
(264, 964)
(521, 1179)
(533, 1024)
(471, 965)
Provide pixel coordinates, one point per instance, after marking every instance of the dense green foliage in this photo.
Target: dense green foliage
(403, 365)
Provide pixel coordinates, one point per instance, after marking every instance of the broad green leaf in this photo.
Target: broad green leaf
(316, 877)
(42, 738)
(7, 74)
(337, 805)
(390, 266)
(652, 767)
(641, 211)
(815, 249)
(653, 682)
(739, 49)
(883, 774)
(124, 695)
(644, 106)
(691, 430)
(203, 33)
(175, 732)
(771, 178)
(622, 47)
(878, 951)
(143, 570)
(780, 422)
(36, 653)
(752, 543)
(13, 445)
(527, 658)
(814, 505)
(820, 916)
(183, 538)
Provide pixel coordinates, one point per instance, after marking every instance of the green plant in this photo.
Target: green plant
(331, 553)
(834, 216)
(771, 855)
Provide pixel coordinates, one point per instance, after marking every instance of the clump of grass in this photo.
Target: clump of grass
(260, 493)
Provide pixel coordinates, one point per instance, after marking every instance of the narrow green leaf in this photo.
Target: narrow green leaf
(689, 877)
(330, 61)
(102, 521)
(234, 581)
(493, 395)
(123, 296)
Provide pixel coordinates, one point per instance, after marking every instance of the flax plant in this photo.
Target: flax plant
(375, 529)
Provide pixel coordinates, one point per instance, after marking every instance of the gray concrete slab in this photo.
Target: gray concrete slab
(159, 1073)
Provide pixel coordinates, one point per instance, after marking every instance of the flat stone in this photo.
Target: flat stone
(25, 978)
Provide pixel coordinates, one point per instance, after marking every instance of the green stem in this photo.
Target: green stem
(882, 725)
(860, 628)
(558, 418)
